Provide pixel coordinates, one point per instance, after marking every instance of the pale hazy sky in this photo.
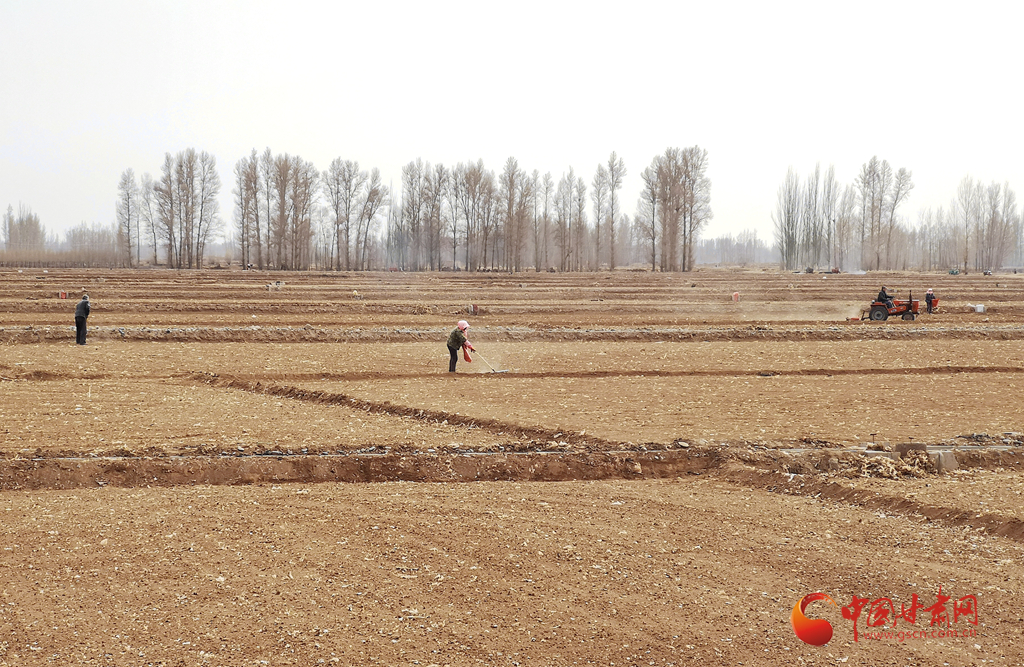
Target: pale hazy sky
(88, 89)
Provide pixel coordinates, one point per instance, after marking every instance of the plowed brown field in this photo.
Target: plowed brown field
(660, 474)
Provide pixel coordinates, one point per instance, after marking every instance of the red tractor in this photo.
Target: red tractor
(879, 311)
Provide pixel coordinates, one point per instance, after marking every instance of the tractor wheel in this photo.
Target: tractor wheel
(879, 314)
(908, 316)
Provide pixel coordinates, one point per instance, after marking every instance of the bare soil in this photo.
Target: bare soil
(233, 474)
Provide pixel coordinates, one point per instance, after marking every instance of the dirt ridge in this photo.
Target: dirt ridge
(835, 331)
(720, 463)
(821, 489)
(385, 407)
(134, 472)
(11, 374)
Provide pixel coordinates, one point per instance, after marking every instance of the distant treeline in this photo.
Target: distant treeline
(289, 215)
(26, 243)
(822, 223)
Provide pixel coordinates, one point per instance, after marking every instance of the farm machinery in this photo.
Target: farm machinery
(906, 309)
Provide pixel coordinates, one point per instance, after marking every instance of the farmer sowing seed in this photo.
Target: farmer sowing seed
(456, 340)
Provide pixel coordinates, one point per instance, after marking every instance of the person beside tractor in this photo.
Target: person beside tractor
(456, 340)
(929, 300)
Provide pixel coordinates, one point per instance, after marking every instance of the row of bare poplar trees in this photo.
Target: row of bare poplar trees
(470, 217)
(982, 229)
(179, 213)
(821, 223)
(290, 216)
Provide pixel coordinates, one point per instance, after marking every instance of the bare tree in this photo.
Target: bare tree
(279, 185)
(684, 193)
(510, 190)
(563, 220)
(547, 192)
(616, 176)
(599, 196)
(435, 187)
(342, 182)
(304, 183)
(965, 209)
(257, 187)
(148, 212)
(696, 200)
(1010, 220)
(127, 215)
(353, 181)
(461, 201)
(524, 205)
(409, 236)
(185, 179)
(829, 213)
(324, 248)
(208, 214)
(883, 183)
(8, 226)
(186, 205)
(998, 225)
(250, 189)
(811, 220)
(899, 190)
(166, 191)
(452, 197)
(375, 196)
(647, 211)
(244, 203)
(870, 210)
(787, 220)
(844, 226)
(537, 193)
(670, 203)
(489, 217)
(473, 186)
(579, 220)
(267, 170)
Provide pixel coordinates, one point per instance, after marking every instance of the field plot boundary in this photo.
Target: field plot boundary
(817, 331)
(43, 376)
(567, 439)
(723, 464)
(131, 472)
(657, 373)
(819, 489)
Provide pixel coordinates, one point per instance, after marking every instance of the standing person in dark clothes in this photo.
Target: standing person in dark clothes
(929, 297)
(457, 340)
(81, 315)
